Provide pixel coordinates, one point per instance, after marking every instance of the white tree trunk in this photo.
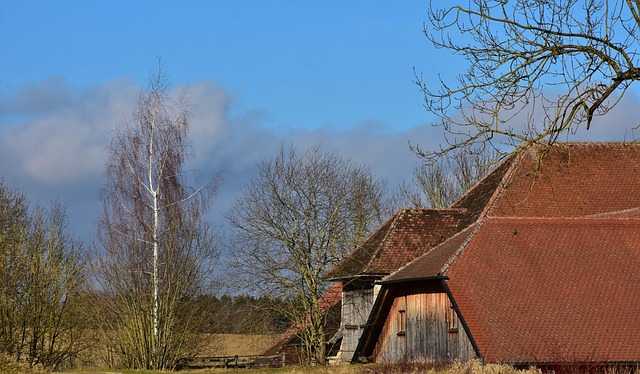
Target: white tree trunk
(154, 191)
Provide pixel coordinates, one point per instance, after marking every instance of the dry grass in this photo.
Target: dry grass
(473, 367)
(441, 368)
(241, 345)
(7, 366)
(214, 345)
(417, 368)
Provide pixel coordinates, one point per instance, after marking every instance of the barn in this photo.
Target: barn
(541, 269)
(407, 235)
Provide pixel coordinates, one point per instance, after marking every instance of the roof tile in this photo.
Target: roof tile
(546, 290)
(413, 232)
(431, 264)
(574, 179)
(407, 235)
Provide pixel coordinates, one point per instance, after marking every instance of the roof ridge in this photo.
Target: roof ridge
(601, 142)
(516, 160)
(611, 213)
(429, 209)
(475, 228)
(481, 180)
(593, 218)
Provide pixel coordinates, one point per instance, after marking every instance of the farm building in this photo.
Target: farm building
(547, 272)
(537, 263)
(409, 234)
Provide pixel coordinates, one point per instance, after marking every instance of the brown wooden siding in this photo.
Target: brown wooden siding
(427, 336)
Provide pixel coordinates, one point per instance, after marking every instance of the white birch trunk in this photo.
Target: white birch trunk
(154, 240)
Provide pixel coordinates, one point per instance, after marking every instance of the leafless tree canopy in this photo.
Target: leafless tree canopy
(41, 279)
(294, 221)
(156, 247)
(439, 184)
(537, 70)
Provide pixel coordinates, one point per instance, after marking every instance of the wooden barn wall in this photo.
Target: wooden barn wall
(356, 306)
(427, 334)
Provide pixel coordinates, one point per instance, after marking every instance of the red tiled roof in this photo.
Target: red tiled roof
(479, 197)
(331, 297)
(548, 290)
(431, 263)
(407, 235)
(550, 270)
(574, 179)
(413, 232)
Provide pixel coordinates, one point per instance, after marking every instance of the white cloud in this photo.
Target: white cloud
(617, 124)
(54, 138)
(56, 142)
(53, 141)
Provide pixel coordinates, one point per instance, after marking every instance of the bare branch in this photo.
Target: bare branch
(519, 53)
(295, 221)
(157, 250)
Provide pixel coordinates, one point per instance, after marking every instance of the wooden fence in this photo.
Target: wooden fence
(233, 362)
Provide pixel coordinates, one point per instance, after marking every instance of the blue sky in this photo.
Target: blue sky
(309, 64)
(259, 73)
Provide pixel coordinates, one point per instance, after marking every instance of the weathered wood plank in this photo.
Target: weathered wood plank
(356, 306)
(427, 310)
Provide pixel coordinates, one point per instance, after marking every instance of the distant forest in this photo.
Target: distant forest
(242, 315)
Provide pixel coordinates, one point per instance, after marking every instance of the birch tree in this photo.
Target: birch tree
(295, 220)
(156, 247)
(536, 70)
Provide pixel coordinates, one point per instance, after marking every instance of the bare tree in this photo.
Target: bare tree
(297, 218)
(537, 69)
(156, 246)
(439, 184)
(41, 279)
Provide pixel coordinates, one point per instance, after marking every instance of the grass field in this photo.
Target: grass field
(229, 344)
(241, 345)
(421, 368)
(426, 368)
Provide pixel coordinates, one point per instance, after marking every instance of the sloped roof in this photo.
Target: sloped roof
(407, 235)
(574, 179)
(548, 290)
(549, 271)
(432, 263)
(413, 232)
(482, 195)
